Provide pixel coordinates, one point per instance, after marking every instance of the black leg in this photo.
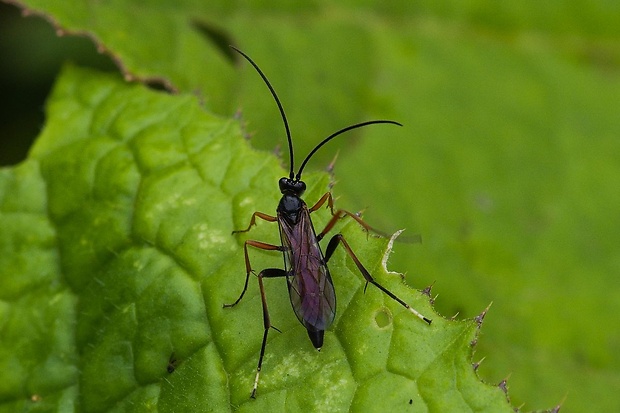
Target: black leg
(248, 267)
(331, 247)
(269, 272)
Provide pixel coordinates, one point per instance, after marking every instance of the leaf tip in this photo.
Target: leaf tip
(504, 385)
(477, 364)
(427, 291)
(480, 317)
(557, 408)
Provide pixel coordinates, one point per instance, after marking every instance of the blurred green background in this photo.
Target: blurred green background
(508, 163)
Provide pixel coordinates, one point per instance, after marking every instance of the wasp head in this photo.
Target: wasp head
(290, 186)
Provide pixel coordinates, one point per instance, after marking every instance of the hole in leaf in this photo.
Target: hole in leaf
(383, 318)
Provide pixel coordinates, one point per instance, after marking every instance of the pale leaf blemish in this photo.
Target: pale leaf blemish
(208, 238)
(171, 202)
(247, 201)
(138, 265)
(388, 251)
(289, 366)
(202, 229)
(331, 400)
(56, 298)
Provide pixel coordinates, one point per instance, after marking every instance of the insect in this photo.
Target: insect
(310, 286)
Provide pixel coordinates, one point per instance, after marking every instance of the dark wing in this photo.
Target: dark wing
(310, 286)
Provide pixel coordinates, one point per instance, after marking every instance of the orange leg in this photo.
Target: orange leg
(261, 215)
(248, 266)
(339, 214)
(269, 272)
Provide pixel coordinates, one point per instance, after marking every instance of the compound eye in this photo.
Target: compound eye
(283, 184)
(286, 184)
(300, 187)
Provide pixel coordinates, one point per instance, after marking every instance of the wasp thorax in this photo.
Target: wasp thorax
(290, 207)
(292, 186)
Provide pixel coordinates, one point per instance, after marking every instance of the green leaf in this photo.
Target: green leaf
(510, 159)
(506, 165)
(153, 43)
(116, 258)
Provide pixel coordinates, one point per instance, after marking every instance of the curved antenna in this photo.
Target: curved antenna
(275, 96)
(333, 135)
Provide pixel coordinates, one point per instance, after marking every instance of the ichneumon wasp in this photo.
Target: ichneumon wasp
(310, 286)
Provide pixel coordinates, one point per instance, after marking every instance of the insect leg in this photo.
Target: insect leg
(269, 272)
(261, 215)
(330, 203)
(248, 266)
(339, 214)
(331, 247)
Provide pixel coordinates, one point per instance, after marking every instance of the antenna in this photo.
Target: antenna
(275, 96)
(333, 135)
